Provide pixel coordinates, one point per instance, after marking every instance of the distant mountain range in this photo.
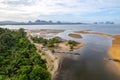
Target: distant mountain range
(37, 22)
(10, 23)
(107, 22)
(43, 22)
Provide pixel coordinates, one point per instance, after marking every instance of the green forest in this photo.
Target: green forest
(19, 59)
(46, 42)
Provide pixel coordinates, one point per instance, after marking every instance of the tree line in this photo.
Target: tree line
(19, 59)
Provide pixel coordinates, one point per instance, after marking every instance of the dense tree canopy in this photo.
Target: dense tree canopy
(46, 42)
(18, 58)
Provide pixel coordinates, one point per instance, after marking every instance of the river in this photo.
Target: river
(92, 63)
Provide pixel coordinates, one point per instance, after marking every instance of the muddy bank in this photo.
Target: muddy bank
(53, 58)
(75, 36)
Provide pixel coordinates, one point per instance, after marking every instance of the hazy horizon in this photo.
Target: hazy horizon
(60, 10)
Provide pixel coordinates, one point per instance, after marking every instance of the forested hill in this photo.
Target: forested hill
(18, 58)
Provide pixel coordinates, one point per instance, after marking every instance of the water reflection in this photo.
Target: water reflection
(91, 64)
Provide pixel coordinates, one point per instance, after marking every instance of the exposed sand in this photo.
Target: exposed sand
(101, 34)
(90, 32)
(64, 46)
(47, 31)
(44, 32)
(53, 59)
(115, 50)
(83, 31)
(75, 35)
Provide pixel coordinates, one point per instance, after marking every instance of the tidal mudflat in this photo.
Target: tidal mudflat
(75, 35)
(94, 61)
(52, 49)
(90, 60)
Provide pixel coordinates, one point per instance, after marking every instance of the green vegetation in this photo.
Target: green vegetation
(40, 40)
(46, 42)
(18, 57)
(72, 44)
(52, 50)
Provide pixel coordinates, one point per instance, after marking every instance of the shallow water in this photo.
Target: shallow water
(92, 63)
(113, 29)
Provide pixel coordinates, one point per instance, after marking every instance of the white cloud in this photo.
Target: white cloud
(31, 9)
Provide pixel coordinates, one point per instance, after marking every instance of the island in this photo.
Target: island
(39, 22)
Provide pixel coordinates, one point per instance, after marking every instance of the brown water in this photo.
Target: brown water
(92, 64)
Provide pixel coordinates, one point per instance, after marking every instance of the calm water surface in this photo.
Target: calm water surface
(114, 29)
(92, 63)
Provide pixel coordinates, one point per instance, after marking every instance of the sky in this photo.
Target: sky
(60, 10)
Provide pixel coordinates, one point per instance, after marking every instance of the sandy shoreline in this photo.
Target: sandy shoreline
(91, 32)
(53, 59)
(115, 50)
(52, 62)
